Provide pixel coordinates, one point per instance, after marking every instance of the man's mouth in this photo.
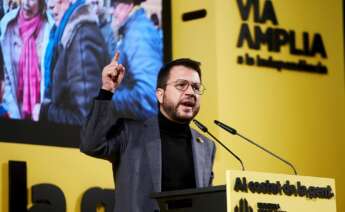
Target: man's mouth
(188, 103)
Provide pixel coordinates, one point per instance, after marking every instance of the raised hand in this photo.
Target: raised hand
(112, 74)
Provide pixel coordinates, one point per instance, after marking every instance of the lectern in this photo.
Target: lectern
(247, 191)
(210, 199)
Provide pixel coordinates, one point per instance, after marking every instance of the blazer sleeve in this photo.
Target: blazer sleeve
(102, 135)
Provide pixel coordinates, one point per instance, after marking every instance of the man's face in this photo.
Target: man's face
(30, 7)
(177, 105)
(58, 8)
(121, 12)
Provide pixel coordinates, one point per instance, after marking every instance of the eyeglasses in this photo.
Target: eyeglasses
(183, 85)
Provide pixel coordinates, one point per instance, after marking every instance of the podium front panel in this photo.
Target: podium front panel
(263, 192)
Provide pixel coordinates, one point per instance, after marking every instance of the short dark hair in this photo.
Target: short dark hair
(164, 72)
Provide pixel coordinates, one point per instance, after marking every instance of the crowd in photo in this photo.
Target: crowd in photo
(53, 53)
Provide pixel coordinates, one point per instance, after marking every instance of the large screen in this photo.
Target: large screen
(52, 56)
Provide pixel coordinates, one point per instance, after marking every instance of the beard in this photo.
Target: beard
(176, 111)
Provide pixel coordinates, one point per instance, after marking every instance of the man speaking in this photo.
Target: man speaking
(159, 154)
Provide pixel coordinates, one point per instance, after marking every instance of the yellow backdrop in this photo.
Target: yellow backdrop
(67, 168)
(299, 115)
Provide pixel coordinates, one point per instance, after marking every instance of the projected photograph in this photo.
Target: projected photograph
(53, 53)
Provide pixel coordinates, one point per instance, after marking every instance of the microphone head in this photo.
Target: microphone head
(200, 126)
(226, 127)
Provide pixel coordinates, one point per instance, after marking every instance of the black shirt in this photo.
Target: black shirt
(177, 156)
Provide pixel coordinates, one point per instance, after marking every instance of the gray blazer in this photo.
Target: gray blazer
(134, 148)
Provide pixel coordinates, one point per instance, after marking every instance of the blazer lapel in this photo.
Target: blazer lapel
(198, 158)
(154, 153)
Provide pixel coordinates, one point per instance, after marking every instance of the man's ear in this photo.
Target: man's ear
(159, 95)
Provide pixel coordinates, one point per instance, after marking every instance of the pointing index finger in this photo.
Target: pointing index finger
(116, 57)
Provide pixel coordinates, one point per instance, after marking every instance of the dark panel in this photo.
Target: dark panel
(193, 15)
(41, 133)
(167, 30)
(18, 197)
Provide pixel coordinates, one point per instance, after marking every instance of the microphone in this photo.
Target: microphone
(204, 129)
(234, 132)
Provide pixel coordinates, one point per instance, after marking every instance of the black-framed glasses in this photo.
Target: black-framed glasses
(183, 85)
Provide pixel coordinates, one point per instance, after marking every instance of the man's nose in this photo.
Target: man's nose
(190, 90)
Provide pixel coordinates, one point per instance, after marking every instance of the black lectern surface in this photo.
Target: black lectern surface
(210, 199)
